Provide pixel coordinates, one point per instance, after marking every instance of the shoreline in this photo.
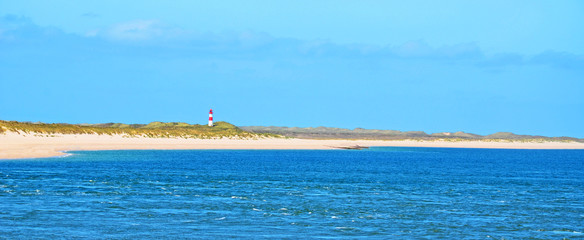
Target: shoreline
(26, 146)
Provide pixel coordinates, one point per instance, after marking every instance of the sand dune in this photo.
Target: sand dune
(14, 145)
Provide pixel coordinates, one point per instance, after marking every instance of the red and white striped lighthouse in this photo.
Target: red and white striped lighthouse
(211, 118)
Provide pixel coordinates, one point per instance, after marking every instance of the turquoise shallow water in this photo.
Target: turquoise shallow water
(376, 193)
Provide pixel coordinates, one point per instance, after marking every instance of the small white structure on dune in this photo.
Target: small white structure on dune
(211, 118)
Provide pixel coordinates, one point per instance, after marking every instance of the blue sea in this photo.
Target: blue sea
(377, 193)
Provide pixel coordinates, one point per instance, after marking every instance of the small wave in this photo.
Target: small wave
(66, 154)
(567, 232)
(562, 231)
(344, 228)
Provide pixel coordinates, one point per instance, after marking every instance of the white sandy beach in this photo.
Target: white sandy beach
(15, 146)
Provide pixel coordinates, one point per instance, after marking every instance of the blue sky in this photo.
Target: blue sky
(434, 66)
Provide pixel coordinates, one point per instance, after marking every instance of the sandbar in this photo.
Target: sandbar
(20, 145)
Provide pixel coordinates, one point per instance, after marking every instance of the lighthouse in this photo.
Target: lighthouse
(211, 118)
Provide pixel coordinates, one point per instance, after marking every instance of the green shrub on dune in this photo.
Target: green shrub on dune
(152, 130)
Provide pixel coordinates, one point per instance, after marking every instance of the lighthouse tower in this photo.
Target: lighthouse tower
(211, 118)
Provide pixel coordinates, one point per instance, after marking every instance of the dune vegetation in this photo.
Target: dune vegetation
(227, 130)
(374, 134)
(151, 130)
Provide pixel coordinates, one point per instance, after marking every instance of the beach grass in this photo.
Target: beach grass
(151, 130)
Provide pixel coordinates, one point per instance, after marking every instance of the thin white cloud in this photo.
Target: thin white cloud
(414, 49)
(253, 45)
(9, 23)
(92, 33)
(420, 49)
(253, 39)
(139, 30)
(460, 50)
(559, 59)
(13, 27)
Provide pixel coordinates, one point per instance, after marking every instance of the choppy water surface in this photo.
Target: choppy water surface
(375, 193)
